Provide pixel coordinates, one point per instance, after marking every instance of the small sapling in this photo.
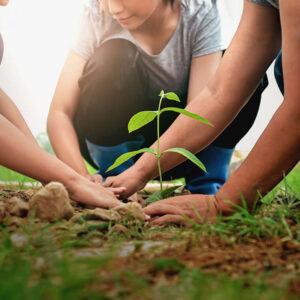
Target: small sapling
(144, 117)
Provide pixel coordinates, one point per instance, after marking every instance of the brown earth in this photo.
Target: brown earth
(213, 254)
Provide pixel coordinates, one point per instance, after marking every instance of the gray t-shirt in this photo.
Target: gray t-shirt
(198, 33)
(274, 3)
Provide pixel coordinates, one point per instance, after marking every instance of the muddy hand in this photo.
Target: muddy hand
(184, 210)
(130, 179)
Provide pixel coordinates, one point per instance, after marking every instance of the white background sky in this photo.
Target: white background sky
(37, 35)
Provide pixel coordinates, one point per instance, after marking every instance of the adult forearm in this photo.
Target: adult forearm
(64, 141)
(239, 73)
(274, 155)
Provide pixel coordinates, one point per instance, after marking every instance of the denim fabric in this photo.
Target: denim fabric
(104, 157)
(278, 72)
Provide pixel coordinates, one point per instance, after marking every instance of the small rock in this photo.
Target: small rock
(51, 203)
(18, 240)
(17, 207)
(131, 211)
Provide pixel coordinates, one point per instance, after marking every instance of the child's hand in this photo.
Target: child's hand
(129, 179)
(95, 178)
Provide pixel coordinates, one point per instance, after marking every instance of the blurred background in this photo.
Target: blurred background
(37, 35)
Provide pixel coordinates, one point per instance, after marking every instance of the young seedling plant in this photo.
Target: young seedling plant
(143, 118)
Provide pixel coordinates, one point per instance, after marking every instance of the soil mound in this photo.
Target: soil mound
(131, 211)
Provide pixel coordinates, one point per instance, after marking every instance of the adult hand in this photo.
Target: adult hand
(131, 179)
(179, 209)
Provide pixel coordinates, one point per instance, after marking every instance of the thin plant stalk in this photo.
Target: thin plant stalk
(158, 153)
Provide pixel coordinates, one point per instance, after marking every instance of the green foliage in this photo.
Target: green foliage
(193, 158)
(186, 113)
(124, 157)
(143, 118)
(159, 195)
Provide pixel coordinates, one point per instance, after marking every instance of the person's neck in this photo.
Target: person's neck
(163, 16)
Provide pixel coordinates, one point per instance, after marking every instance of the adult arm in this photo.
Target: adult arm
(274, 155)
(278, 149)
(244, 63)
(62, 110)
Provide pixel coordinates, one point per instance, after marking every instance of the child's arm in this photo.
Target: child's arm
(10, 111)
(60, 119)
(203, 69)
(17, 152)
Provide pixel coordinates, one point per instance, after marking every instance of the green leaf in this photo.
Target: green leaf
(141, 119)
(162, 93)
(193, 158)
(172, 96)
(188, 114)
(158, 195)
(124, 157)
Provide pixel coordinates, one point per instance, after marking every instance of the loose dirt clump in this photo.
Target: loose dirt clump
(131, 211)
(3, 212)
(51, 203)
(17, 207)
(96, 214)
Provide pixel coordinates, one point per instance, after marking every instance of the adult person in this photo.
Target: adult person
(19, 151)
(266, 27)
(125, 54)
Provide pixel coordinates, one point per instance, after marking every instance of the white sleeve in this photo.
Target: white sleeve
(85, 38)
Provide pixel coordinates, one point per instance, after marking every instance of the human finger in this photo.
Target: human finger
(158, 209)
(109, 181)
(117, 190)
(174, 219)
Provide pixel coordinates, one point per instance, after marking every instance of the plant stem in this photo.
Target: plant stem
(158, 153)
